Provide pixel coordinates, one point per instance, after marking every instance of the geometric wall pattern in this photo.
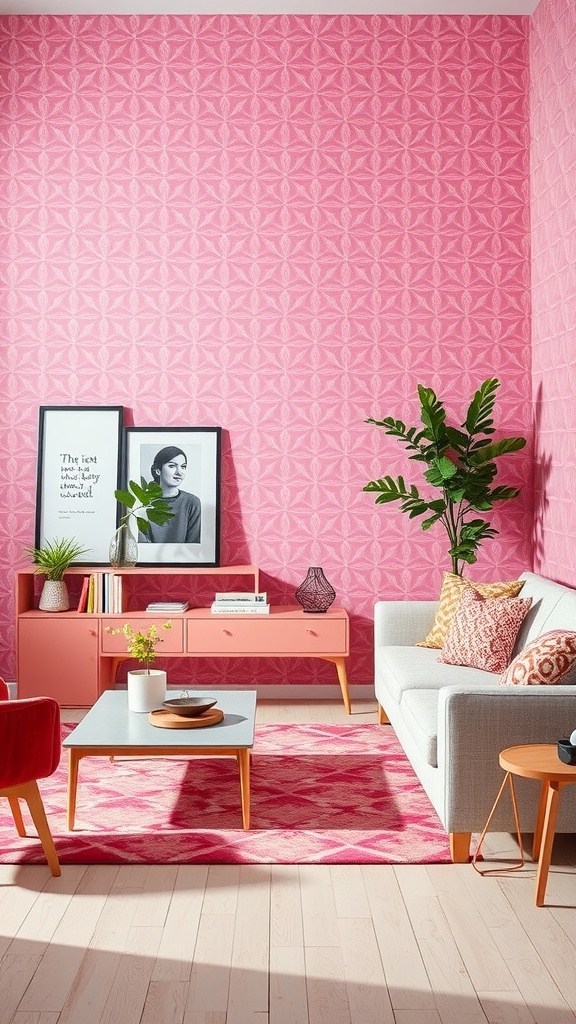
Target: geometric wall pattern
(279, 225)
(553, 124)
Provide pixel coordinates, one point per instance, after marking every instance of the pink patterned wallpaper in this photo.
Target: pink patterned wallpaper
(280, 225)
(553, 123)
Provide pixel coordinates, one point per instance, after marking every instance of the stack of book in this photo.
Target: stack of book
(167, 607)
(240, 603)
(101, 592)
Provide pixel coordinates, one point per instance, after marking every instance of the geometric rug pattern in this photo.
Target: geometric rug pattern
(333, 794)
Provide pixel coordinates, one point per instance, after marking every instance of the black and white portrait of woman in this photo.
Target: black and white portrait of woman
(185, 463)
(169, 470)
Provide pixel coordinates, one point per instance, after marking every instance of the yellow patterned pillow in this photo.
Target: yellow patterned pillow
(450, 596)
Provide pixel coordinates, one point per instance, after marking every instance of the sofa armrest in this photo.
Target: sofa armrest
(475, 725)
(402, 623)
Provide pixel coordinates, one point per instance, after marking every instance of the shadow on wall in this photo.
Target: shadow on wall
(542, 468)
(234, 547)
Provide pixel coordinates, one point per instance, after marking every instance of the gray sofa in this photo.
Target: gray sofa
(453, 722)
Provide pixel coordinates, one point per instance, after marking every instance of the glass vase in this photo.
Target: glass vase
(123, 551)
(315, 593)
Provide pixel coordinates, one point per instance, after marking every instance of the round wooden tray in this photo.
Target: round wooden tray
(164, 719)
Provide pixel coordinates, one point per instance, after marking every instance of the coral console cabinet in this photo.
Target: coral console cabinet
(71, 657)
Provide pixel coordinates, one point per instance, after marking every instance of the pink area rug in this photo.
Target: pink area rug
(321, 794)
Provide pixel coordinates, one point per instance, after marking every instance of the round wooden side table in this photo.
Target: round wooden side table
(538, 761)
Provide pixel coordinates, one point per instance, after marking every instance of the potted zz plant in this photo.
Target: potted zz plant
(52, 559)
(146, 686)
(459, 463)
(145, 504)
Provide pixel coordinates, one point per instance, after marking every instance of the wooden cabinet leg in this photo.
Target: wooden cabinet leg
(342, 679)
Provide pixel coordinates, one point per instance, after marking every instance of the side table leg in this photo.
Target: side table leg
(539, 827)
(243, 757)
(514, 867)
(553, 795)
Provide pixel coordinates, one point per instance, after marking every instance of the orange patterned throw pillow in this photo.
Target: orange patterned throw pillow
(453, 587)
(547, 661)
(483, 632)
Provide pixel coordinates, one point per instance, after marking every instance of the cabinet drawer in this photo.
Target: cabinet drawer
(172, 639)
(263, 635)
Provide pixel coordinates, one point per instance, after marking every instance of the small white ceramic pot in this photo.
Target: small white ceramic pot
(146, 690)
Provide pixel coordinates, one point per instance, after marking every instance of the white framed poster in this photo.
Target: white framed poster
(79, 469)
(185, 462)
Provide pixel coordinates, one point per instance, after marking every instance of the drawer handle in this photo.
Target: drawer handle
(312, 632)
(227, 632)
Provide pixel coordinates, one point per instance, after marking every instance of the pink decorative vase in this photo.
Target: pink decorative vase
(315, 594)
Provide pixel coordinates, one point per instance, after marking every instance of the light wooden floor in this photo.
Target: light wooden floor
(288, 944)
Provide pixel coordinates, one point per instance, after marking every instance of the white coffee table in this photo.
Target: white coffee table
(111, 730)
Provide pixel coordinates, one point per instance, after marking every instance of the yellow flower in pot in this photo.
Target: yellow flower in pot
(146, 686)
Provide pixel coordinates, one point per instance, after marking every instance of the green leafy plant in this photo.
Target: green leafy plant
(144, 497)
(459, 463)
(141, 645)
(55, 556)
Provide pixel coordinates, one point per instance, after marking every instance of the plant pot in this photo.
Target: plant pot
(146, 689)
(54, 596)
(123, 552)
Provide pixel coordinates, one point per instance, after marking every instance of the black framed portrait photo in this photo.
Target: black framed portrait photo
(185, 462)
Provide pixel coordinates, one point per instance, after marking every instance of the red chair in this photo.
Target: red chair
(30, 747)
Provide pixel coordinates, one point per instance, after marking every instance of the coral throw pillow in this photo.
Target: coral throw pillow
(546, 661)
(453, 587)
(483, 631)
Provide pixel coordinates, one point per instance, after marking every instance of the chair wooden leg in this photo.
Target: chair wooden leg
(31, 794)
(460, 847)
(17, 815)
(382, 716)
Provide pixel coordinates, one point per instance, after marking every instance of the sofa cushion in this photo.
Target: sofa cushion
(453, 587)
(546, 661)
(483, 631)
(418, 668)
(553, 607)
(420, 712)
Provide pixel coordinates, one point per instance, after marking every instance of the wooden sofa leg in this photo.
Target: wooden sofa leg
(460, 847)
(382, 716)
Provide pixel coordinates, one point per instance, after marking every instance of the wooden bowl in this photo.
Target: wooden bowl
(188, 707)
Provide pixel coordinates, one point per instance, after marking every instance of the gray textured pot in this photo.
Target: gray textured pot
(54, 596)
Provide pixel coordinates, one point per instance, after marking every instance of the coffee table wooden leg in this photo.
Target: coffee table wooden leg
(243, 757)
(552, 797)
(73, 760)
